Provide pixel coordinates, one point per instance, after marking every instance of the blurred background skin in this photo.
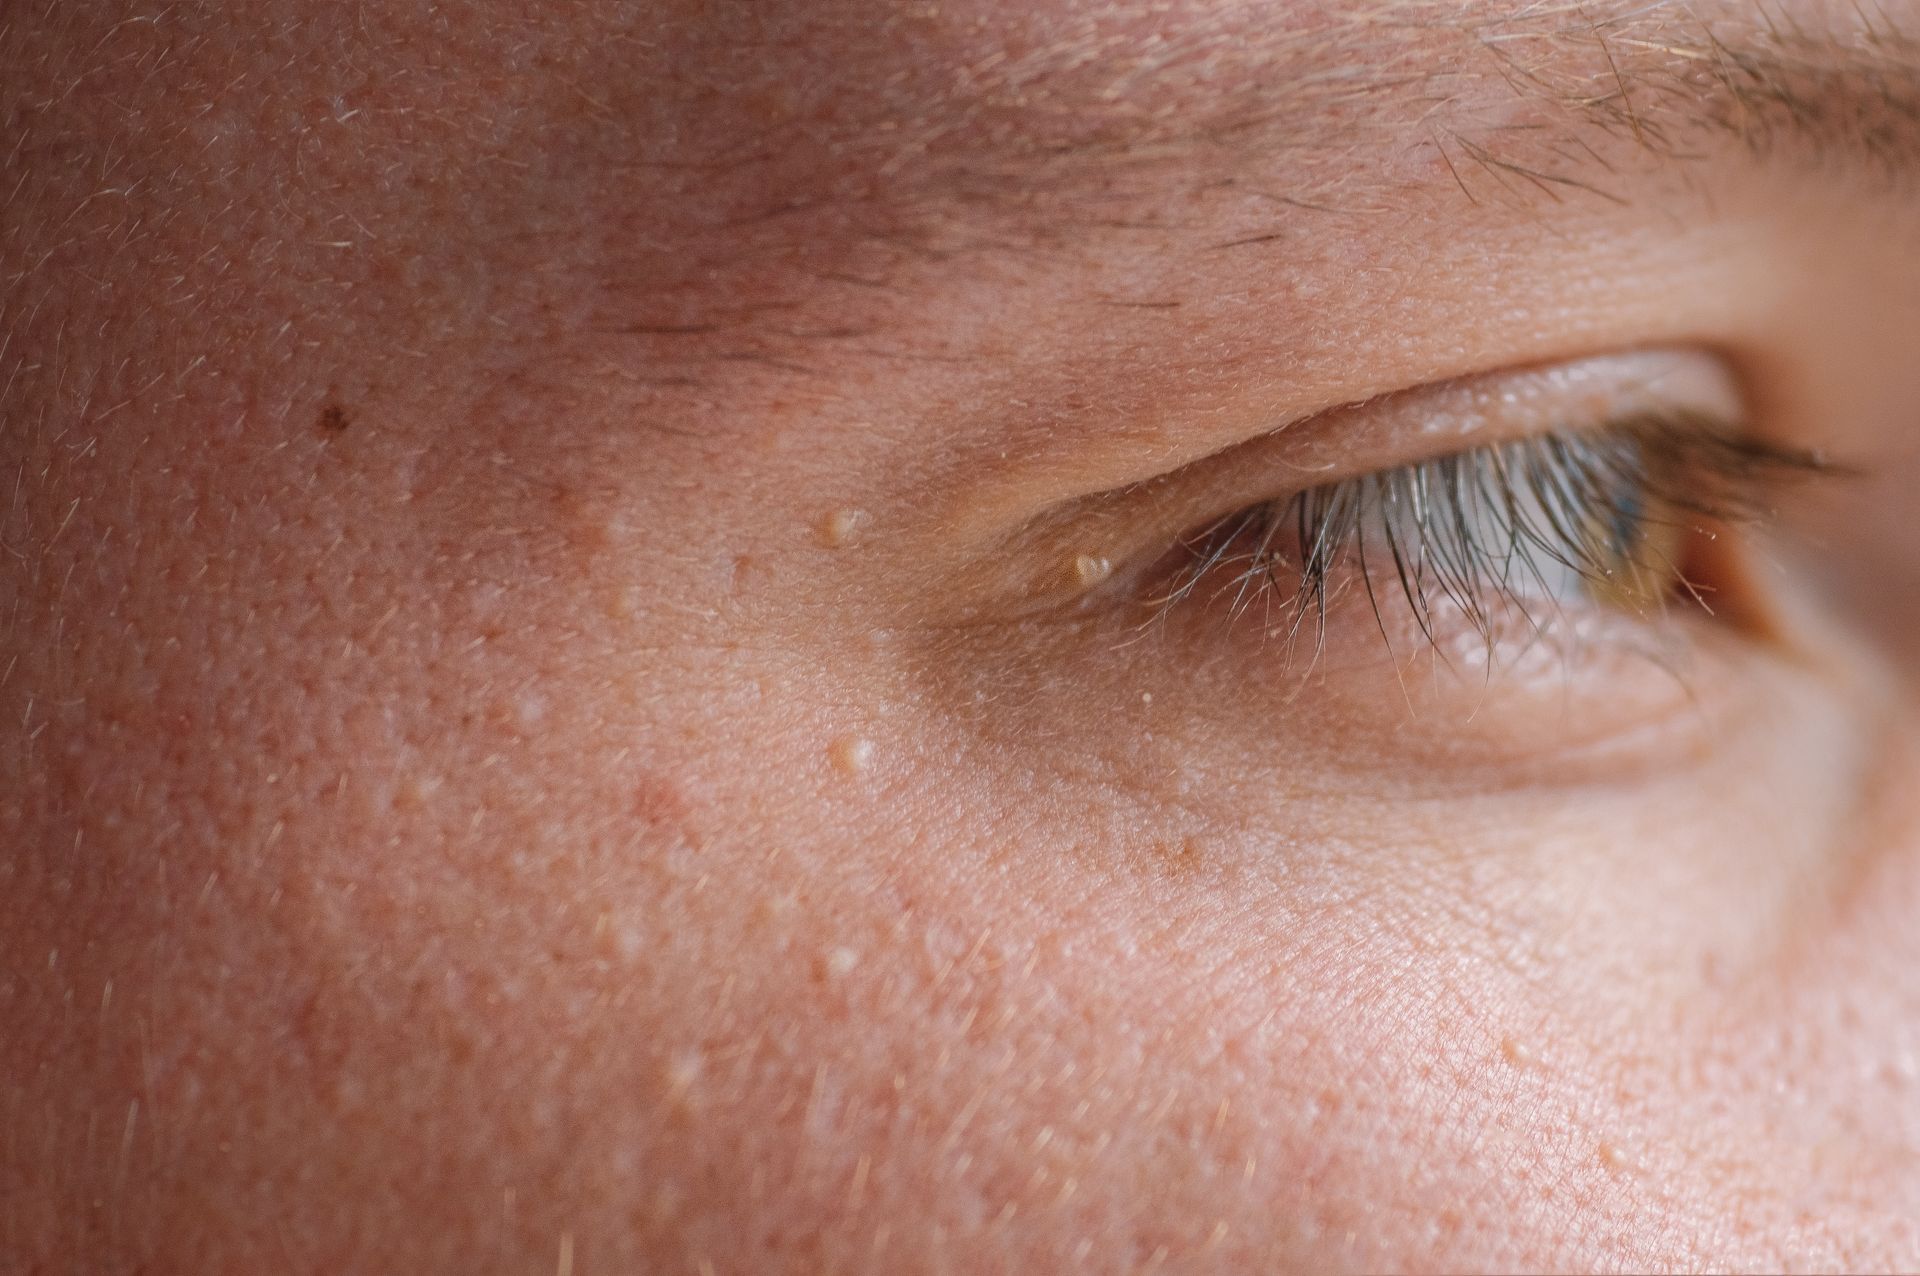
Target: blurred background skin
(492, 781)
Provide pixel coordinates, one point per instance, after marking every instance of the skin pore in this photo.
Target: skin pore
(582, 689)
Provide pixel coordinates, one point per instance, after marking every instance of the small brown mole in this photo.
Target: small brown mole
(334, 420)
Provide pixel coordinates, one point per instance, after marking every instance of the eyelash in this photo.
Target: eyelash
(1477, 528)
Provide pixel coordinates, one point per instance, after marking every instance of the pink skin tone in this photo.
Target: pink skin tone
(572, 700)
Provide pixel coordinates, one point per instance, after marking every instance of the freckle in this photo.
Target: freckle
(586, 531)
(1517, 1053)
(841, 527)
(1090, 570)
(621, 603)
(851, 755)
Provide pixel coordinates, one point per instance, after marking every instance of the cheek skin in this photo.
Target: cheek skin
(485, 947)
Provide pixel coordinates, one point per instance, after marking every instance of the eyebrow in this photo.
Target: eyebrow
(1521, 98)
(1665, 73)
(1024, 134)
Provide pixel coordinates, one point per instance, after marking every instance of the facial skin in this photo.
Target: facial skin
(579, 691)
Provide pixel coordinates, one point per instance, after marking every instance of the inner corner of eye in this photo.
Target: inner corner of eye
(1680, 531)
(1667, 558)
(1713, 575)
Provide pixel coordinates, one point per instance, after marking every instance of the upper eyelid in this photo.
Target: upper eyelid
(1374, 432)
(1035, 560)
(1388, 431)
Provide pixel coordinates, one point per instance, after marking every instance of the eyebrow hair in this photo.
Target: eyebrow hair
(1025, 134)
(1764, 79)
(1520, 95)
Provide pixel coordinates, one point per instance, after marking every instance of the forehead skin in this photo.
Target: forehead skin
(423, 857)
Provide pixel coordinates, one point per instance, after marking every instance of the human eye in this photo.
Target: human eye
(1572, 560)
(1643, 516)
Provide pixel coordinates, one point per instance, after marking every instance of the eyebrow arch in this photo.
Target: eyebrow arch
(1525, 94)
(1665, 72)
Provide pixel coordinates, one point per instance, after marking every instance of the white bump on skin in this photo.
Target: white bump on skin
(851, 755)
(840, 527)
(418, 790)
(841, 960)
(1090, 570)
(683, 1071)
(1517, 1053)
(1615, 1158)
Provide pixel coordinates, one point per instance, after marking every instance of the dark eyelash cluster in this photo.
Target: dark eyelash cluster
(1609, 512)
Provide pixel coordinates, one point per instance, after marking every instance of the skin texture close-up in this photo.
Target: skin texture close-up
(871, 636)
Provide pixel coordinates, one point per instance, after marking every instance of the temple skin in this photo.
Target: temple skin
(526, 742)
